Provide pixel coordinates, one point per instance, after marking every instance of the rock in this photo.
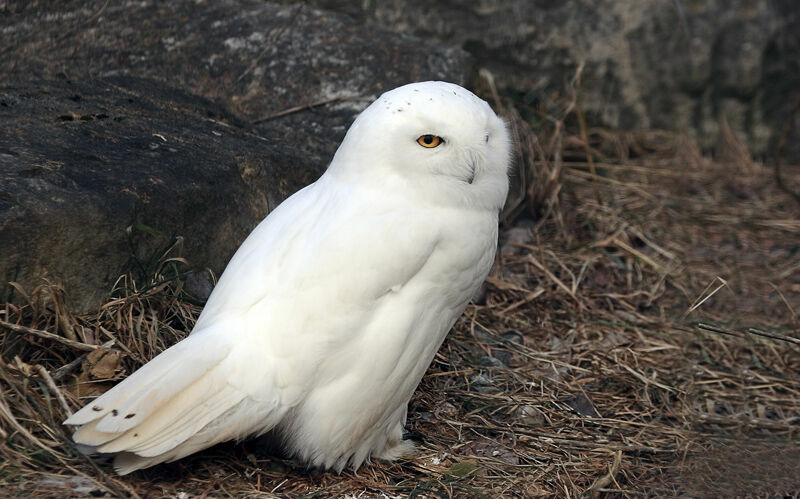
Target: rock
(199, 284)
(482, 383)
(425, 416)
(682, 65)
(513, 336)
(482, 334)
(531, 416)
(133, 123)
(489, 361)
(97, 178)
(445, 408)
(514, 237)
(256, 59)
(582, 404)
(504, 357)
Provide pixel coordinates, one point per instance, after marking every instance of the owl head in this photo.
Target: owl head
(435, 140)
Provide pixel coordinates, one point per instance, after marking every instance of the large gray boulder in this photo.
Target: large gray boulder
(257, 59)
(126, 125)
(676, 65)
(97, 178)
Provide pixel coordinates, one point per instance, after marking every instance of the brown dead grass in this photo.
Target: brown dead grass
(616, 351)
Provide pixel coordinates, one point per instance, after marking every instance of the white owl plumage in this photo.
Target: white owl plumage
(329, 313)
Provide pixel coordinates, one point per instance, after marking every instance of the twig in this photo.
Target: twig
(52, 386)
(754, 331)
(5, 411)
(489, 77)
(49, 336)
(701, 299)
(775, 336)
(299, 108)
(644, 379)
(638, 254)
(783, 298)
(62, 317)
(555, 279)
(718, 329)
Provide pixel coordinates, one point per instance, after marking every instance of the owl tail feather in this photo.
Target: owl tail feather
(163, 411)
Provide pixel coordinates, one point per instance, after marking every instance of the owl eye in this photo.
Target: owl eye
(430, 141)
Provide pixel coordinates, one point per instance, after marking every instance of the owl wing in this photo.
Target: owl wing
(303, 282)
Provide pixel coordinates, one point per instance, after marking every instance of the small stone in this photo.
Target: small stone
(582, 405)
(531, 416)
(483, 335)
(446, 408)
(503, 356)
(481, 380)
(489, 361)
(199, 285)
(425, 416)
(513, 336)
(513, 237)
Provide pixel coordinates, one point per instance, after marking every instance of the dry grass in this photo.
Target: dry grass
(582, 371)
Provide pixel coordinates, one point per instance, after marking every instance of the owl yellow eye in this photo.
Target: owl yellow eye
(429, 141)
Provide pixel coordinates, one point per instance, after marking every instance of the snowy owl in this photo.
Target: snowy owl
(329, 313)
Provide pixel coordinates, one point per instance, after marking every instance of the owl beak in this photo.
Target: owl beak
(471, 176)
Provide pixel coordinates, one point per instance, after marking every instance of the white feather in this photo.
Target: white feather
(156, 382)
(327, 316)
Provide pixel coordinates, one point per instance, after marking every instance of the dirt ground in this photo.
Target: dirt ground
(638, 337)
